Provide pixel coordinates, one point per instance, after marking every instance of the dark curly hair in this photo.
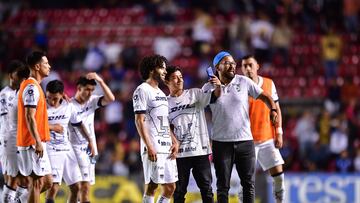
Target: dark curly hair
(150, 63)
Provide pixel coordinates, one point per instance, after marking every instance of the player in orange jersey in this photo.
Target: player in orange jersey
(268, 138)
(33, 128)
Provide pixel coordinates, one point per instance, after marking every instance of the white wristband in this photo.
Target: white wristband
(279, 130)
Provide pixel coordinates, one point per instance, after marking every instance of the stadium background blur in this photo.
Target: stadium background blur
(310, 48)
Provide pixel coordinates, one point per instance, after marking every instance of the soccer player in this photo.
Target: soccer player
(33, 128)
(158, 145)
(232, 142)
(187, 120)
(267, 139)
(17, 72)
(85, 105)
(62, 158)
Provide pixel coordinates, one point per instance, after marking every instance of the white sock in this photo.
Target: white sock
(22, 194)
(148, 199)
(163, 199)
(279, 187)
(9, 195)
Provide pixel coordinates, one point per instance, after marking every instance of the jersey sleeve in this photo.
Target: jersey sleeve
(253, 89)
(139, 101)
(274, 94)
(208, 87)
(203, 97)
(31, 96)
(75, 118)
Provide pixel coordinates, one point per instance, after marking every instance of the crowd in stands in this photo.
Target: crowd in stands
(310, 48)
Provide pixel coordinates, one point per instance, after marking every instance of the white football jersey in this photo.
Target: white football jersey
(186, 113)
(8, 111)
(86, 113)
(153, 103)
(62, 115)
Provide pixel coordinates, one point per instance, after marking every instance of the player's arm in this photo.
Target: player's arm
(174, 143)
(141, 128)
(31, 125)
(278, 128)
(108, 95)
(81, 127)
(274, 111)
(56, 128)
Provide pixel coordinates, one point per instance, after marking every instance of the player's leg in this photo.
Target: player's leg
(149, 192)
(9, 192)
(245, 166)
(51, 193)
(57, 161)
(150, 186)
(167, 177)
(72, 176)
(184, 166)
(74, 193)
(270, 159)
(167, 193)
(203, 177)
(223, 158)
(22, 192)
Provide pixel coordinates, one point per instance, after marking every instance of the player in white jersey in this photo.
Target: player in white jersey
(15, 186)
(64, 164)
(232, 142)
(158, 145)
(85, 105)
(188, 122)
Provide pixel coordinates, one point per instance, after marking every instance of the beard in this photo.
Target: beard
(158, 78)
(229, 75)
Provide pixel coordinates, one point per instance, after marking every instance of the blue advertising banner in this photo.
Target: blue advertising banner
(320, 188)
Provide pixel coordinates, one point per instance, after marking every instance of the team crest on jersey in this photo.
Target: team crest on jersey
(135, 97)
(30, 94)
(237, 87)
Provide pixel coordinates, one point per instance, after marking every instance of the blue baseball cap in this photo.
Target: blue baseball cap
(220, 56)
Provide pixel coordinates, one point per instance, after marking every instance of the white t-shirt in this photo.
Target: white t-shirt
(230, 112)
(86, 113)
(62, 115)
(186, 113)
(153, 103)
(8, 111)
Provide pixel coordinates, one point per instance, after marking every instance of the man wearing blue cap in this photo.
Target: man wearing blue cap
(232, 141)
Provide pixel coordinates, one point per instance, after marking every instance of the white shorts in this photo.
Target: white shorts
(164, 170)
(87, 169)
(64, 165)
(268, 155)
(29, 162)
(9, 157)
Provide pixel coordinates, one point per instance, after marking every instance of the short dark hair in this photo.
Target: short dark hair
(14, 66)
(34, 58)
(83, 81)
(55, 86)
(248, 56)
(170, 70)
(150, 63)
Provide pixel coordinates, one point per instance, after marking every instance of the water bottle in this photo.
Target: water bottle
(94, 159)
